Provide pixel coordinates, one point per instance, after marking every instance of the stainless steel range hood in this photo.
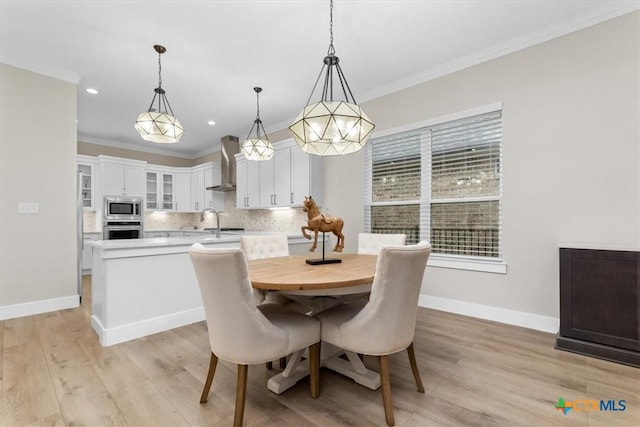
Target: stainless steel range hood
(229, 147)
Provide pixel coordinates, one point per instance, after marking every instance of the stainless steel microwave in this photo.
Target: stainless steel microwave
(122, 208)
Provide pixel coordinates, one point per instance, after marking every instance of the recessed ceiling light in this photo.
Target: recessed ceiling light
(211, 123)
(92, 91)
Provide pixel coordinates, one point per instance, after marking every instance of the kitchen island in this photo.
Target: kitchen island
(143, 286)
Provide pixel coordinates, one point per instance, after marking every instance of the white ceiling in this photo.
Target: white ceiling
(217, 51)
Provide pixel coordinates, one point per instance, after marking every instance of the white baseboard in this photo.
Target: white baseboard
(502, 315)
(37, 307)
(143, 328)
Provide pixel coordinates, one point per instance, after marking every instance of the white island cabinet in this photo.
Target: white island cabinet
(144, 286)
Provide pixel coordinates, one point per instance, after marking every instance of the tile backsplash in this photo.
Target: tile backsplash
(250, 220)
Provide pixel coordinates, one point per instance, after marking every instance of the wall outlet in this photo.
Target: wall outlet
(28, 207)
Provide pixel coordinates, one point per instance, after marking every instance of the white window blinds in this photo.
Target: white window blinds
(466, 157)
(440, 183)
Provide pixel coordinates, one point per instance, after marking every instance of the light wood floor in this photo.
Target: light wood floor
(54, 372)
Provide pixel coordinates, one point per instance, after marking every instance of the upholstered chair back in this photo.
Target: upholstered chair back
(370, 243)
(238, 331)
(386, 324)
(268, 246)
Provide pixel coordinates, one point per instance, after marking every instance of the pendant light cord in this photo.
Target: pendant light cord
(159, 71)
(331, 50)
(258, 106)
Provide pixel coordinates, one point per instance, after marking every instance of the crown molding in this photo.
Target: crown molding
(68, 76)
(501, 49)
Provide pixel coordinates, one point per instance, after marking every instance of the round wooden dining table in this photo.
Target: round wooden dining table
(308, 284)
(292, 275)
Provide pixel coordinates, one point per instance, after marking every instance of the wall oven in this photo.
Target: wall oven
(113, 230)
(119, 208)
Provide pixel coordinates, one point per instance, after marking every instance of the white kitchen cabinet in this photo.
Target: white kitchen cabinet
(121, 177)
(266, 169)
(168, 189)
(203, 176)
(167, 192)
(282, 181)
(86, 165)
(87, 254)
(152, 234)
(247, 183)
(152, 200)
(307, 175)
(275, 180)
(182, 187)
(282, 177)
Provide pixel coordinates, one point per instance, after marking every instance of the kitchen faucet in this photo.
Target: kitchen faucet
(207, 210)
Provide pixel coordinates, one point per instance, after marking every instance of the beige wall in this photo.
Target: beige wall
(37, 164)
(155, 159)
(571, 157)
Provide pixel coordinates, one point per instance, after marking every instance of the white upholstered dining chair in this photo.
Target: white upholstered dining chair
(370, 243)
(242, 332)
(265, 246)
(385, 324)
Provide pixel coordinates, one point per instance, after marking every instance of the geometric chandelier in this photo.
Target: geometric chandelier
(159, 124)
(331, 127)
(258, 148)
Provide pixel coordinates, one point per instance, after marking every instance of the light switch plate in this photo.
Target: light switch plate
(28, 207)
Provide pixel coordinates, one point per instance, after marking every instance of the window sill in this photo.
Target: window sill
(487, 265)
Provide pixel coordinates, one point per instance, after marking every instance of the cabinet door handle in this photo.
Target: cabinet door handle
(274, 200)
(292, 197)
(196, 205)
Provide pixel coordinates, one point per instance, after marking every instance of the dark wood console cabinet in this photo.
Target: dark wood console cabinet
(600, 304)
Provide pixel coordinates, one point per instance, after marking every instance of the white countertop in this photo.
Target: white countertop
(226, 237)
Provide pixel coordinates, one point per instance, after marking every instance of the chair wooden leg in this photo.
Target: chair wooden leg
(385, 380)
(414, 368)
(283, 362)
(241, 395)
(269, 365)
(207, 385)
(314, 369)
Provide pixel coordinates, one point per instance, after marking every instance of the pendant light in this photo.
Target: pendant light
(331, 127)
(159, 124)
(258, 148)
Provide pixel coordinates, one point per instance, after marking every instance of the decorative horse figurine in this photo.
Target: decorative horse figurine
(318, 222)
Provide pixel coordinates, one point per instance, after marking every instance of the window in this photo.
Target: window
(441, 182)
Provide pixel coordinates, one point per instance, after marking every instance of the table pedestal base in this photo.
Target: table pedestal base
(352, 368)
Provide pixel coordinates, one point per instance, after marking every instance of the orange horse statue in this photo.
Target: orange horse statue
(319, 222)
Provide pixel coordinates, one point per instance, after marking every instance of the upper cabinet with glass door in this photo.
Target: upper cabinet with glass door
(168, 189)
(86, 166)
(167, 192)
(160, 192)
(152, 191)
